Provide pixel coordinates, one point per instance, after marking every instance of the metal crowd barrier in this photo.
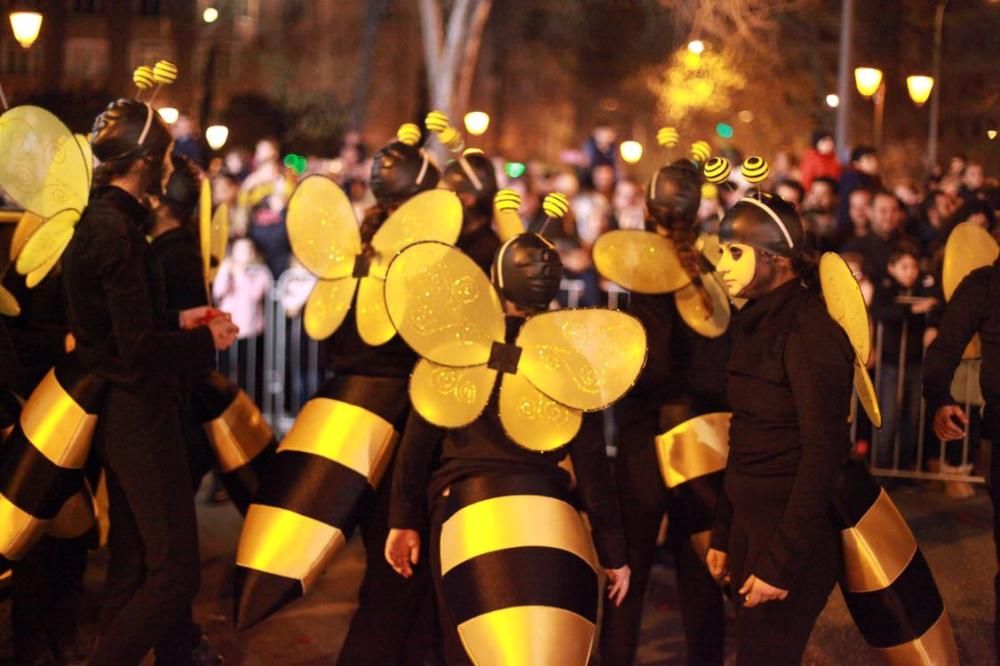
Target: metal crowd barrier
(282, 368)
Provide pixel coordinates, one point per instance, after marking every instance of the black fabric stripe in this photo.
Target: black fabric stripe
(315, 487)
(695, 501)
(33, 482)
(212, 395)
(87, 389)
(483, 487)
(854, 494)
(383, 396)
(243, 483)
(260, 594)
(535, 576)
(901, 612)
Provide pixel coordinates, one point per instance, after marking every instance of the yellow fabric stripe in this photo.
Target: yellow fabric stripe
(514, 521)
(878, 548)
(344, 433)
(238, 434)
(18, 529)
(57, 425)
(935, 648)
(528, 636)
(267, 534)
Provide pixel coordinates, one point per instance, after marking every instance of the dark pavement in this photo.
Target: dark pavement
(954, 535)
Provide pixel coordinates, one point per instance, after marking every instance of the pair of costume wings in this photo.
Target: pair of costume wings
(412, 280)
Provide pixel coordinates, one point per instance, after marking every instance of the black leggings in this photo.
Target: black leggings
(644, 500)
(776, 632)
(154, 566)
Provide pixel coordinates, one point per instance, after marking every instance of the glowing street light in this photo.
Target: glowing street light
(868, 80)
(920, 88)
(992, 134)
(631, 151)
(210, 15)
(477, 122)
(169, 114)
(696, 46)
(833, 101)
(26, 26)
(216, 135)
(745, 116)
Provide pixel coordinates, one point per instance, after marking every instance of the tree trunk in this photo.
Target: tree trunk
(375, 11)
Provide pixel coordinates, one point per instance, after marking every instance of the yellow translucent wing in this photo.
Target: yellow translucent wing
(450, 397)
(969, 247)
(443, 305)
(585, 359)
(640, 261)
(41, 164)
(36, 275)
(866, 394)
(710, 247)
(706, 308)
(532, 419)
(327, 306)
(88, 156)
(47, 243)
(28, 225)
(435, 215)
(845, 303)
(374, 325)
(205, 228)
(9, 306)
(322, 228)
(219, 238)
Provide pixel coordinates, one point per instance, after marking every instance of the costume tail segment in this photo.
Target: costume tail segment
(521, 530)
(888, 587)
(323, 473)
(41, 461)
(241, 439)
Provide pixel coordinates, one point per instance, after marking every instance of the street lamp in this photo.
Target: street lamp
(210, 15)
(696, 46)
(920, 88)
(869, 83)
(833, 100)
(169, 114)
(216, 136)
(631, 151)
(26, 26)
(477, 122)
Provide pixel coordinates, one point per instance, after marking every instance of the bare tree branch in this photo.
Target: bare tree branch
(467, 71)
(430, 28)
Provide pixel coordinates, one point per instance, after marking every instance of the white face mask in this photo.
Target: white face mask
(738, 267)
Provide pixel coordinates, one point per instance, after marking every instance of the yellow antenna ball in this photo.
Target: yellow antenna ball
(555, 205)
(700, 151)
(165, 72)
(717, 170)
(667, 137)
(709, 191)
(408, 133)
(143, 77)
(507, 200)
(437, 121)
(755, 169)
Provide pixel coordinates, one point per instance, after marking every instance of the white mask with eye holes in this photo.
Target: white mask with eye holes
(738, 267)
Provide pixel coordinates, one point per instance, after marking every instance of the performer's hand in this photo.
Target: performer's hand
(195, 317)
(755, 592)
(224, 332)
(718, 565)
(618, 584)
(402, 551)
(945, 425)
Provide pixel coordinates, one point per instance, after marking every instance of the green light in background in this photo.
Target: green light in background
(515, 169)
(297, 163)
(724, 130)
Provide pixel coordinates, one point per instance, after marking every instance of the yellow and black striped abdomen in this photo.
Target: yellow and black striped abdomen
(887, 584)
(519, 572)
(41, 462)
(324, 472)
(240, 438)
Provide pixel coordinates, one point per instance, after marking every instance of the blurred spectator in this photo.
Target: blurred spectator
(934, 220)
(820, 161)
(264, 193)
(862, 174)
(976, 211)
(185, 141)
(783, 166)
(820, 216)
(791, 191)
(603, 181)
(226, 190)
(628, 209)
(856, 263)
(902, 302)
(858, 209)
(973, 179)
(237, 164)
(600, 149)
(298, 284)
(886, 231)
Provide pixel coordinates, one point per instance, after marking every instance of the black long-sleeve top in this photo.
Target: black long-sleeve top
(116, 301)
(973, 308)
(888, 311)
(180, 259)
(790, 383)
(39, 332)
(430, 459)
(8, 374)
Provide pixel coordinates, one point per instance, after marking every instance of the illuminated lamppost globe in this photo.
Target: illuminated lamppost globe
(216, 136)
(477, 122)
(919, 87)
(26, 26)
(169, 114)
(631, 151)
(867, 80)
